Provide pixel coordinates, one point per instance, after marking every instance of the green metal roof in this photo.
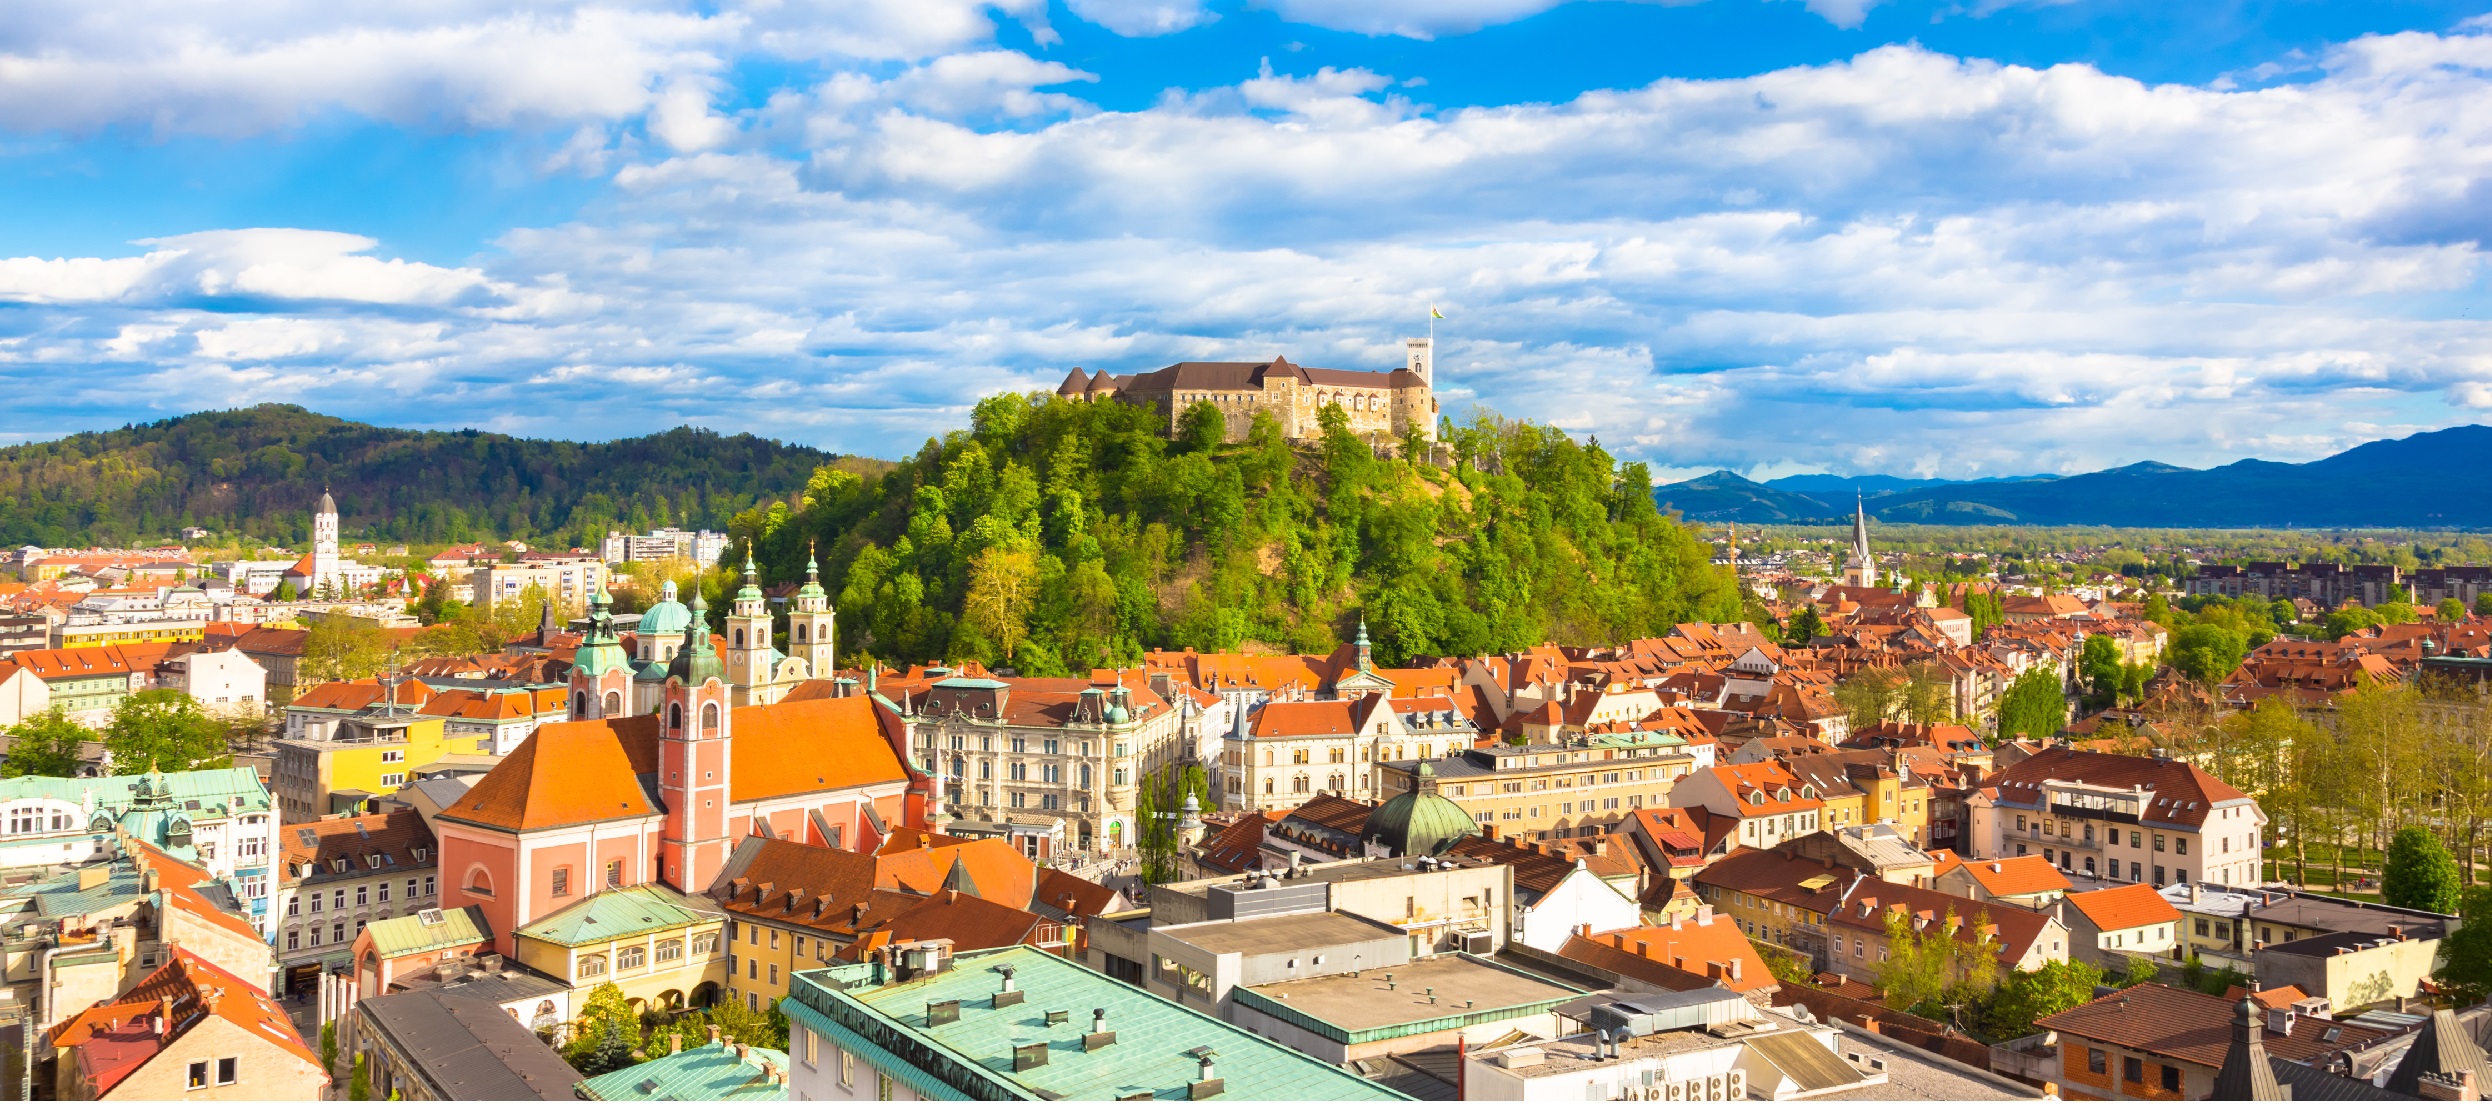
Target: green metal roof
(618, 914)
(219, 792)
(1154, 1052)
(406, 935)
(710, 1071)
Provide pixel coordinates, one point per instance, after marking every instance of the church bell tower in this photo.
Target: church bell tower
(748, 638)
(695, 733)
(809, 628)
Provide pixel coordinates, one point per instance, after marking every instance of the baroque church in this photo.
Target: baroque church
(610, 680)
(1382, 405)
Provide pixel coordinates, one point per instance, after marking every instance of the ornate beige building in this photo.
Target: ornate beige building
(1381, 405)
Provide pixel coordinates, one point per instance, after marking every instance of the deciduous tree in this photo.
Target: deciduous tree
(2419, 873)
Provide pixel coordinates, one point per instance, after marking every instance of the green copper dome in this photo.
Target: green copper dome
(1420, 822)
(666, 618)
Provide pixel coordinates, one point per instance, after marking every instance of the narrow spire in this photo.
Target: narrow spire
(813, 571)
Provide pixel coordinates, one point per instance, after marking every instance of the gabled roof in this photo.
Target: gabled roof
(1308, 718)
(1690, 954)
(186, 990)
(2183, 793)
(2194, 1027)
(178, 882)
(373, 842)
(2120, 908)
(971, 923)
(2019, 876)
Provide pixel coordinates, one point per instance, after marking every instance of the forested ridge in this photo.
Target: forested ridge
(257, 472)
(1054, 536)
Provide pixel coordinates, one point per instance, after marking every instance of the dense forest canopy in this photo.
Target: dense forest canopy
(1054, 536)
(256, 473)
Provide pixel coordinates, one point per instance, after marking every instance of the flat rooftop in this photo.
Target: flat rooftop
(1370, 1000)
(1287, 932)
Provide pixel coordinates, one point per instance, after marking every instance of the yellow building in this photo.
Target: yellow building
(661, 948)
(1866, 787)
(360, 759)
(1588, 787)
(146, 632)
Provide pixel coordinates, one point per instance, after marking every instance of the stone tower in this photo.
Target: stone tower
(809, 628)
(748, 636)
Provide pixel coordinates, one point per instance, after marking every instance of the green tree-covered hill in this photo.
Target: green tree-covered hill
(1054, 536)
(257, 472)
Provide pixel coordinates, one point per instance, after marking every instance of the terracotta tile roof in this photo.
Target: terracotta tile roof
(494, 705)
(1536, 871)
(63, 663)
(1333, 811)
(312, 849)
(1238, 848)
(178, 882)
(568, 772)
(186, 989)
(1866, 906)
(2194, 1027)
(1310, 718)
(1807, 883)
(1077, 896)
(2183, 793)
(2120, 908)
(1757, 788)
(1682, 956)
(579, 772)
(2009, 877)
(1420, 682)
(971, 923)
(362, 694)
(1000, 871)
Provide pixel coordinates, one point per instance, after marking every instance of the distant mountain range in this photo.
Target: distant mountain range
(2426, 480)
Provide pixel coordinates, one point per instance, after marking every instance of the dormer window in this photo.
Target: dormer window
(419, 854)
(337, 865)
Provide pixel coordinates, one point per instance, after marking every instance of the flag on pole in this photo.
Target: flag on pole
(1433, 312)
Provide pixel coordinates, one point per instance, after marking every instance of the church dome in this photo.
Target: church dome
(667, 617)
(1420, 821)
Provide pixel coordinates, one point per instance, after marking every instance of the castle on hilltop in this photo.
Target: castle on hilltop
(1382, 405)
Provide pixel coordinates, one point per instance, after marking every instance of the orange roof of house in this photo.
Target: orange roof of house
(178, 881)
(186, 988)
(1419, 682)
(578, 772)
(2009, 877)
(1309, 718)
(2122, 907)
(1001, 872)
(1677, 956)
(971, 923)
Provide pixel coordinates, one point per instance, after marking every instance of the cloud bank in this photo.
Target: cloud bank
(1905, 261)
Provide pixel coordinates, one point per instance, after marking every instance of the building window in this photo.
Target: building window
(227, 1072)
(294, 939)
(337, 931)
(562, 881)
(428, 884)
(294, 906)
(2096, 1061)
(592, 965)
(2171, 1078)
(2133, 1070)
(670, 950)
(198, 1076)
(614, 873)
(363, 894)
(630, 958)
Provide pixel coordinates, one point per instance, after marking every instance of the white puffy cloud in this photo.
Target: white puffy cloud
(1902, 262)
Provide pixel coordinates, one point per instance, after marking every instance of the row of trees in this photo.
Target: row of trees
(162, 730)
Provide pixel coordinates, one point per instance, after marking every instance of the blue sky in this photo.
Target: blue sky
(1964, 238)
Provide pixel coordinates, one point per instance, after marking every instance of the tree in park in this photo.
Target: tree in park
(2207, 653)
(606, 1029)
(2419, 873)
(1805, 626)
(2466, 954)
(45, 744)
(164, 730)
(2033, 706)
(1930, 967)
(2028, 995)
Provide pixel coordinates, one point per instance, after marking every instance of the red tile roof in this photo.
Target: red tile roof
(185, 989)
(2120, 908)
(1310, 718)
(2194, 1027)
(1682, 956)
(2010, 877)
(2183, 793)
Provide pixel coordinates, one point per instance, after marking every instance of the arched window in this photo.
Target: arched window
(579, 706)
(709, 718)
(800, 632)
(1298, 784)
(674, 717)
(1267, 787)
(614, 703)
(592, 965)
(629, 958)
(1267, 757)
(739, 638)
(1334, 783)
(479, 882)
